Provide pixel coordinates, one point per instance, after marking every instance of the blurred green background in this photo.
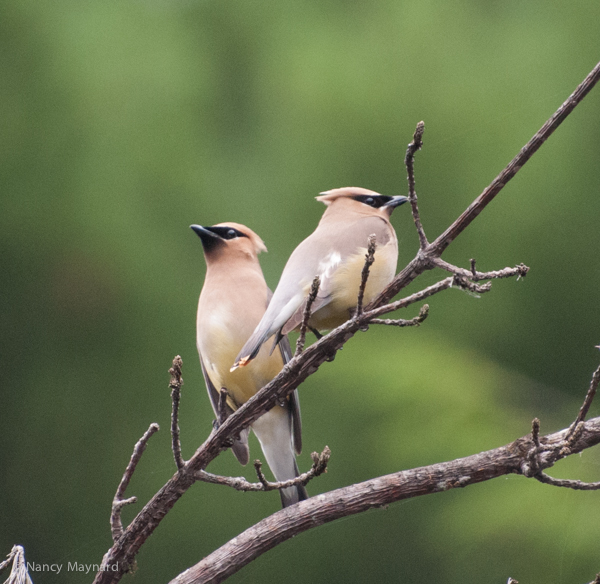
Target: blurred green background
(124, 122)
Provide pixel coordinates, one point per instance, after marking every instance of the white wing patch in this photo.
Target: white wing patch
(329, 265)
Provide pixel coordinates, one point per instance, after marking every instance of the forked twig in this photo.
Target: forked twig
(175, 385)
(312, 295)
(561, 449)
(409, 162)
(19, 573)
(318, 467)
(116, 526)
(416, 321)
(117, 559)
(364, 275)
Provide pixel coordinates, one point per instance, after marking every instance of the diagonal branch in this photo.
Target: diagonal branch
(423, 260)
(119, 558)
(371, 494)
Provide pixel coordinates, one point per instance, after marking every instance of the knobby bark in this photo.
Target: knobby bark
(376, 493)
(120, 557)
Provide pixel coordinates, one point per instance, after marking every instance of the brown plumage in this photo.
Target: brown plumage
(232, 302)
(335, 252)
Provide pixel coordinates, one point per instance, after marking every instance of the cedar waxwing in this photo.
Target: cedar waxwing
(232, 302)
(335, 252)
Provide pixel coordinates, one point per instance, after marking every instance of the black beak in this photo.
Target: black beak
(209, 239)
(395, 202)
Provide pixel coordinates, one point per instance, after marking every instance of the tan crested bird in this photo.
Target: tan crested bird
(234, 298)
(335, 252)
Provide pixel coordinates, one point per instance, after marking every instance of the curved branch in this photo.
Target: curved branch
(375, 493)
(422, 261)
(120, 557)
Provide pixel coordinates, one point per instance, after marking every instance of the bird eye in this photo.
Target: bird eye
(231, 234)
(369, 201)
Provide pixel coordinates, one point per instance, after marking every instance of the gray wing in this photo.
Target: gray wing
(345, 241)
(294, 400)
(240, 446)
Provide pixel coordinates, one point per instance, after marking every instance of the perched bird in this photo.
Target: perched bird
(335, 252)
(232, 302)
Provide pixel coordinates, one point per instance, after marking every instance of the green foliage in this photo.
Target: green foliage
(123, 123)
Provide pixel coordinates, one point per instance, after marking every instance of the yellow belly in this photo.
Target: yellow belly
(218, 354)
(346, 282)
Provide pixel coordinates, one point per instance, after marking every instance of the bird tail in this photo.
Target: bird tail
(252, 347)
(294, 494)
(274, 432)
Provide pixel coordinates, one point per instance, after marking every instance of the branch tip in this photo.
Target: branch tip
(364, 276)
(312, 295)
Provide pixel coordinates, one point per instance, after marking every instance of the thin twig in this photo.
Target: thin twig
(452, 281)
(175, 385)
(409, 161)
(468, 286)
(361, 497)
(569, 484)
(364, 276)
(312, 295)
(408, 300)
(19, 573)
(563, 448)
(116, 526)
(520, 271)
(416, 321)
(444, 240)
(117, 560)
(319, 467)
(423, 260)
(587, 402)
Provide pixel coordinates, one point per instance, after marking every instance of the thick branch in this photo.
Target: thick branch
(374, 493)
(422, 261)
(444, 240)
(120, 556)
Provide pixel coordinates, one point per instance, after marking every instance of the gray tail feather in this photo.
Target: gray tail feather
(252, 346)
(292, 495)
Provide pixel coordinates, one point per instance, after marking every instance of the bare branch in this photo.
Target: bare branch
(423, 260)
(416, 321)
(364, 276)
(314, 290)
(576, 485)
(520, 271)
(116, 526)
(587, 402)
(409, 161)
(19, 573)
(416, 297)
(319, 466)
(175, 385)
(119, 558)
(444, 240)
(373, 493)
